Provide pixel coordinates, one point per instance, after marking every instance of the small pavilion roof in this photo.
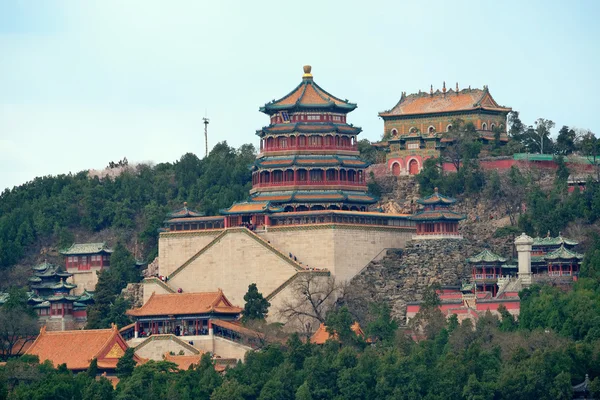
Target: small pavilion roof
(321, 335)
(486, 256)
(444, 102)
(86, 248)
(185, 212)
(436, 198)
(44, 266)
(251, 207)
(437, 215)
(562, 253)
(553, 241)
(308, 95)
(78, 348)
(185, 304)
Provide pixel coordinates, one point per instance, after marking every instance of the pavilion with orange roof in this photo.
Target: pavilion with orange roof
(78, 348)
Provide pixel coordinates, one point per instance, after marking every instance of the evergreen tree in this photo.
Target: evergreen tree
(92, 370)
(303, 392)
(256, 307)
(126, 364)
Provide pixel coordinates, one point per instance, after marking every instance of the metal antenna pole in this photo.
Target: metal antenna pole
(206, 120)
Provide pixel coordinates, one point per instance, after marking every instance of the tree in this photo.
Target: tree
(463, 146)
(339, 325)
(313, 297)
(92, 370)
(108, 307)
(542, 133)
(368, 153)
(382, 328)
(303, 392)
(565, 141)
(126, 364)
(590, 147)
(256, 307)
(429, 319)
(18, 324)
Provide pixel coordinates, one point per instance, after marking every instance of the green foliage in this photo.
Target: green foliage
(49, 208)
(126, 364)
(92, 370)
(368, 153)
(256, 307)
(339, 323)
(109, 307)
(382, 328)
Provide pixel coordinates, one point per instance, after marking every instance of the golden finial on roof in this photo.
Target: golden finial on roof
(307, 74)
(185, 204)
(456, 87)
(431, 90)
(444, 87)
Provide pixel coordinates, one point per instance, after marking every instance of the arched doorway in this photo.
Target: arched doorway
(396, 169)
(413, 167)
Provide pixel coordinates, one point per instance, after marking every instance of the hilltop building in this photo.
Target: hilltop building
(57, 308)
(83, 261)
(52, 299)
(309, 213)
(436, 220)
(497, 280)
(416, 128)
(189, 323)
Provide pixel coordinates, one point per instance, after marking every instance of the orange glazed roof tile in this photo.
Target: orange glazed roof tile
(438, 102)
(321, 335)
(248, 207)
(306, 95)
(184, 362)
(236, 327)
(78, 348)
(185, 303)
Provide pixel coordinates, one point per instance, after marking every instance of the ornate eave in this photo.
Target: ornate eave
(435, 199)
(308, 96)
(486, 256)
(308, 128)
(310, 161)
(437, 215)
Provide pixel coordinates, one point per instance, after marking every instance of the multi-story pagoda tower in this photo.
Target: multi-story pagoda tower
(308, 157)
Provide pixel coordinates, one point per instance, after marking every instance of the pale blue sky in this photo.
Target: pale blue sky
(83, 83)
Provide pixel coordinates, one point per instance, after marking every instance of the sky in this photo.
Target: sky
(83, 83)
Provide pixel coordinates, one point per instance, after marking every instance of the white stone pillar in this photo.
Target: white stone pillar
(523, 244)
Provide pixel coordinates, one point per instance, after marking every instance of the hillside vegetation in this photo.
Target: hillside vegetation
(52, 211)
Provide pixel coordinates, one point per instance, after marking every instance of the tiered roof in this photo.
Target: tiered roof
(186, 304)
(314, 196)
(487, 257)
(311, 161)
(308, 96)
(309, 127)
(436, 199)
(444, 102)
(86, 248)
(553, 241)
(562, 253)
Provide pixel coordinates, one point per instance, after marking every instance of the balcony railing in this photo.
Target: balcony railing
(310, 183)
(309, 147)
